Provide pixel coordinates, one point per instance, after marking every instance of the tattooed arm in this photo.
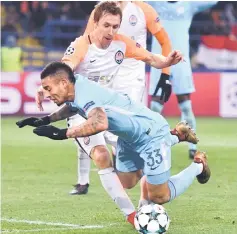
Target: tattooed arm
(65, 111)
(97, 122)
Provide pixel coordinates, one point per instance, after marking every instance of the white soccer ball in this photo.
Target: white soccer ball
(151, 219)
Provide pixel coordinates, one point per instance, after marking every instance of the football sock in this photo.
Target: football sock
(156, 106)
(180, 182)
(84, 164)
(114, 188)
(187, 114)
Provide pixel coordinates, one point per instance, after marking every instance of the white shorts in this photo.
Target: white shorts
(111, 139)
(134, 90)
(86, 143)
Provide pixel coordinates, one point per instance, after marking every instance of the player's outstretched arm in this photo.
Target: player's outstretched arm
(135, 51)
(159, 61)
(65, 111)
(97, 122)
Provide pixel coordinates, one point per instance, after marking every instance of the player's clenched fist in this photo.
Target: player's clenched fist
(174, 57)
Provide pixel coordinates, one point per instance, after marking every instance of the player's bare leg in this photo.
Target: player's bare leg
(111, 182)
(185, 106)
(177, 184)
(157, 105)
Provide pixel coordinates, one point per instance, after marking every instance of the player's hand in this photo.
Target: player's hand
(165, 86)
(51, 132)
(174, 57)
(33, 121)
(39, 97)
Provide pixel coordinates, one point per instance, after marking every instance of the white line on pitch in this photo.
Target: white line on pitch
(52, 224)
(44, 229)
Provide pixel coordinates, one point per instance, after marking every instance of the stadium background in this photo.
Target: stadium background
(37, 173)
(45, 29)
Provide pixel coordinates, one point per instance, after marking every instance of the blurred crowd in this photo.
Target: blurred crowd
(27, 21)
(29, 17)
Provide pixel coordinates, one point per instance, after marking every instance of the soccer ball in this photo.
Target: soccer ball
(151, 219)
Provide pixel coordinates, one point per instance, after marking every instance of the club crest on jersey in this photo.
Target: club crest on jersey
(86, 140)
(70, 50)
(119, 56)
(133, 20)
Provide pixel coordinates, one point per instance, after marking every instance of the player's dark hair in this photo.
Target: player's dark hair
(105, 7)
(55, 67)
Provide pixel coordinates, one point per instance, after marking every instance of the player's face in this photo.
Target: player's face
(107, 27)
(55, 89)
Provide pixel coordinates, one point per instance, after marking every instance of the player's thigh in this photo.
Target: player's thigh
(129, 179)
(128, 164)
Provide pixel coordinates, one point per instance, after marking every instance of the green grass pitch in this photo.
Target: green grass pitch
(37, 174)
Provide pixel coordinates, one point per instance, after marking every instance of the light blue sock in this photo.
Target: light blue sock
(180, 182)
(156, 106)
(187, 114)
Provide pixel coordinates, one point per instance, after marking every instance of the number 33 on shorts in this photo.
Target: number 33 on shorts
(158, 160)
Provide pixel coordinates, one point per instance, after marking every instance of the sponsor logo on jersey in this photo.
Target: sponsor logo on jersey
(70, 50)
(157, 19)
(119, 56)
(88, 105)
(133, 20)
(86, 140)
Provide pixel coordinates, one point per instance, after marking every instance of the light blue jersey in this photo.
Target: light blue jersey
(176, 19)
(140, 130)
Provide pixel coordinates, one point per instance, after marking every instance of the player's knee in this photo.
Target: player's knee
(158, 194)
(101, 157)
(129, 180)
(159, 198)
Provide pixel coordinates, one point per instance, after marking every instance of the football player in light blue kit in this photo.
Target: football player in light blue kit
(144, 138)
(176, 18)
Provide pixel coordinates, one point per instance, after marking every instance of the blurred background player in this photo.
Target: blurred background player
(138, 19)
(13, 53)
(176, 17)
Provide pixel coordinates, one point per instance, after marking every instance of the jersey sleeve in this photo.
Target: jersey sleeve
(152, 18)
(201, 6)
(90, 23)
(133, 49)
(76, 52)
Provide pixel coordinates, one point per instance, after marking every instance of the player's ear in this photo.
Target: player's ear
(64, 82)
